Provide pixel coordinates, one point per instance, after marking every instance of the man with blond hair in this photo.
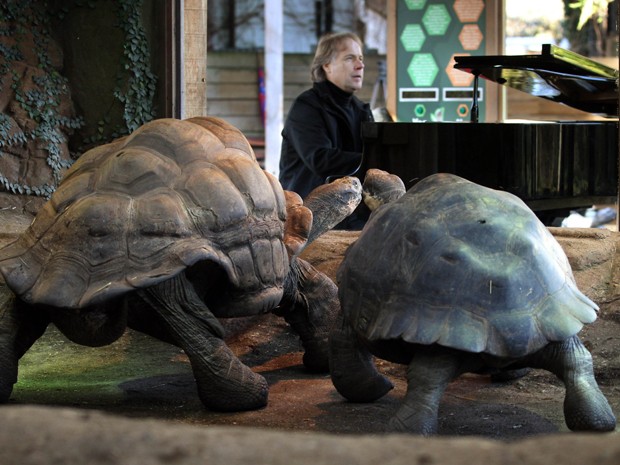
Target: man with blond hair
(322, 133)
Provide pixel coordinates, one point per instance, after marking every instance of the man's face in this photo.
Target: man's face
(346, 70)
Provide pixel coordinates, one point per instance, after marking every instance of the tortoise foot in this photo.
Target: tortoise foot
(251, 394)
(588, 410)
(225, 384)
(406, 421)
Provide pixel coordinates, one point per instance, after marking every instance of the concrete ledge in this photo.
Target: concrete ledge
(39, 435)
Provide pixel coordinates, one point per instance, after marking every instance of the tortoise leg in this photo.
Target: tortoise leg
(428, 376)
(224, 382)
(310, 308)
(19, 329)
(585, 406)
(352, 368)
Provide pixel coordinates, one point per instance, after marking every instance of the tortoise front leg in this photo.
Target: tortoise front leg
(224, 382)
(352, 368)
(19, 329)
(585, 406)
(310, 305)
(428, 376)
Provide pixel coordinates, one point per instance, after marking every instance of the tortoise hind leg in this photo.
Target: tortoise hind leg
(224, 382)
(352, 369)
(19, 329)
(585, 406)
(428, 376)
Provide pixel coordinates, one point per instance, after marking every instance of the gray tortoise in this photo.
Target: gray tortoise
(165, 231)
(451, 278)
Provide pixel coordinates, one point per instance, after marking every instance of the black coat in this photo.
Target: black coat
(319, 140)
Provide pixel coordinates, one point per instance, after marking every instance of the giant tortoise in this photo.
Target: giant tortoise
(165, 231)
(454, 277)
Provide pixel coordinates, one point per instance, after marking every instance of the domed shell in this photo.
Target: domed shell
(464, 266)
(137, 211)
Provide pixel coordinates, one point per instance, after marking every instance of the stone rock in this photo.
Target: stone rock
(40, 436)
(26, 162)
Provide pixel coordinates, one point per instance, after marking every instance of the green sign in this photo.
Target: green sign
(422, 69)
(430, 34)
(436, 20)
(415, 4)
(413, 37)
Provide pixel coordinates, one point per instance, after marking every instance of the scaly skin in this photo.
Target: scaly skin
(352, 369)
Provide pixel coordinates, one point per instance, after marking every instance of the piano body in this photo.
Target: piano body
(553, 166)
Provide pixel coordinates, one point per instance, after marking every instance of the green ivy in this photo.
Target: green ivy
(42, 102)
(135, 86)
(135, 83)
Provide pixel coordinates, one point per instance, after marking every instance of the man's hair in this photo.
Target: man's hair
(329, 45)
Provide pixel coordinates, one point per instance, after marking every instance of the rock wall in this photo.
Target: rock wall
(33, 153)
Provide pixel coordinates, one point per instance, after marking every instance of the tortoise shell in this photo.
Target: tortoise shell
(463, 266)
(137, 211)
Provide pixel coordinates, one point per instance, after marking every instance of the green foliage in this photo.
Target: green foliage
(135, 83)
(586, 27)
(135, 86)
(590, 9)
(40, 102)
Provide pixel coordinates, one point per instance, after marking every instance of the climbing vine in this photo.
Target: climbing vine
(136, 83)
(41, 99)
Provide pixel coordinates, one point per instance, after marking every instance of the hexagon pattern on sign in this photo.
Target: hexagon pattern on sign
(415, 4)
(422, 69)
(457, 77)
(413, 37)
(470, 37)
(468, 11)
(436, 19)
(429, 34)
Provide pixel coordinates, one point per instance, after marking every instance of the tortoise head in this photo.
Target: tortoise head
(320, 211)
(381, 187)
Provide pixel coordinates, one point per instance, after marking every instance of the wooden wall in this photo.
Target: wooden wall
(232, 86)
(232, 91)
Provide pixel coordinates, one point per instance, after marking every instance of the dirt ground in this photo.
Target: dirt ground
(146, 378)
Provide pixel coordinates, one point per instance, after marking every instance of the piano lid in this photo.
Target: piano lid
(556, 74)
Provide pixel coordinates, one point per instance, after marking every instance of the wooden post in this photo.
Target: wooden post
(273, 84)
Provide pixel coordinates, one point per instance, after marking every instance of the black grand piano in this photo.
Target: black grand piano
(553, 166)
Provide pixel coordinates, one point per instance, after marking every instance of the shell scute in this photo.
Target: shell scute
(229, 135)
(217, 202)
(135, 171)
(73, 188)
(161, 214)
(253, 184)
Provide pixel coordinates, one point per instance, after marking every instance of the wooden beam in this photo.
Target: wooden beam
(274, 71)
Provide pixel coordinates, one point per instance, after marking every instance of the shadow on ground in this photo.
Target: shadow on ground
(142, 377)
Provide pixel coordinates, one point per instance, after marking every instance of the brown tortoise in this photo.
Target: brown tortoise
(165, 231)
